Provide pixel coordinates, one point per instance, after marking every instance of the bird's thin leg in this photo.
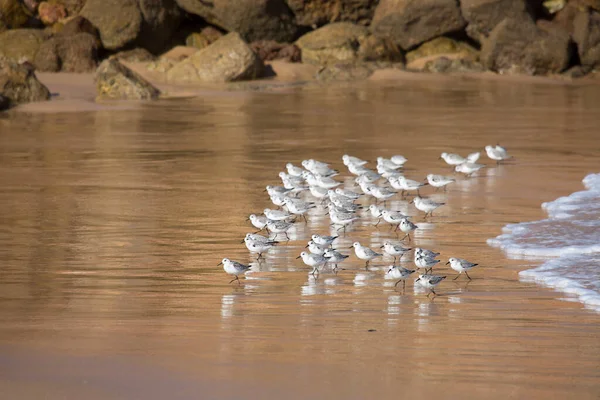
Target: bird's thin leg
(236, 279)
(403, 285)
(456, 277)
(466, 273)
(286, 236)
(378, 221)
(404, 237)
(305, 220)
(396, 284)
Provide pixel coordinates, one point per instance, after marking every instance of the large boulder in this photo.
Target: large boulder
(268, 50)
(75, 53)
(226, 60)
(18, 84)
(316, 13)
(519, 46)
(342, 42)
(412, 22)
(252, 19)
(483, 15)
(204, 38)
(50, 12)
(114, 81)
(144, 23)
(352, 72)
(21, 44)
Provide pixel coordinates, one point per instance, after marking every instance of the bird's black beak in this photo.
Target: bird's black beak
(350, 247)
(306, 246)
(248, 219)
(448, 263)
(221, 263)
(298, 257)
(417, 280)
(242, 241)
(382, 247)
(412, 201)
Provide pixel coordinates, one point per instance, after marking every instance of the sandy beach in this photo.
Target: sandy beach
(116, 215)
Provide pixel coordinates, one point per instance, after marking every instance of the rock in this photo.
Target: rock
(21, 44)
(226, 60)
(13, 14)
(554, 6)
(409, 23)
(205, 37)
(519, 46)
(483, 15)
(75, 53)
(343, 42)
(143, 23)
(445, 64)
(586, 34)
(252, 19)
(442, 46)
(77, 25)
(4, 103)
(351, 72)
(268, 50)
(134, 55)
(73, 7)
(117, 82)
(51, 12)
(315, 13)
(18, 84)
(3, 26)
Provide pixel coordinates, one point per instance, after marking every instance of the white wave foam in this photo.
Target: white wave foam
(570, 236)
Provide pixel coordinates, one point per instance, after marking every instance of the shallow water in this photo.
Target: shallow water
(114, 221)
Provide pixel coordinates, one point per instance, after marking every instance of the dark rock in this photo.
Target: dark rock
(134, 55)
(51, 12)
(519, 46)
(205, 37)
(315, 13)
(21, 44)
(576, 72)
(268, 50)
(146, 23)
(75, 53)
(409, 23)
(13, 14)
(252, 19)
(18, 84)
(483, 15)
(343, 42)
(226, 60)
(117, 82)
(4, 103)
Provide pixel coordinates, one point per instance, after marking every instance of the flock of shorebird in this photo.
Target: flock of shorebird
(317, 180)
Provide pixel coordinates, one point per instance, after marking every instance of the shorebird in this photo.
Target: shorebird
(234, 268)
(460, 266)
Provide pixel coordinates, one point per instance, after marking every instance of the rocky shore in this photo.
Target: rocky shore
(133, 44)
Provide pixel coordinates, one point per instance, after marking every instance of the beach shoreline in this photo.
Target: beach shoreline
(279, 332)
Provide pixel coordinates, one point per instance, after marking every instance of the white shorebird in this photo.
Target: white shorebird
(346, 159)
(319, 168)
(334, 257)
(323, 240)
(453, 159)
(256, 245)
(364, 253)
(394, 250)
(277, 190)
(425, 253)
(277, 215)
(278, 227)
(430, 282)
(393, 218)
(381, 193)
(342, 218)
(426, 205)
(497, 153)
(387, 163)
(234, 268)
(313, 260)
(468, 168)
(473, 157)
(406, 185)
(426, 263)
(438, 181)
(298, 207)
(400, 273)
(293, 170)
(347, 193)
(315, 248)
(318, 191)
(398, 160)
(407, 227)
(460, 266)
(258, 221)
(375, 212)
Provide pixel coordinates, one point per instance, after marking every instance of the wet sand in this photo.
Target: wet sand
(115, 220)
